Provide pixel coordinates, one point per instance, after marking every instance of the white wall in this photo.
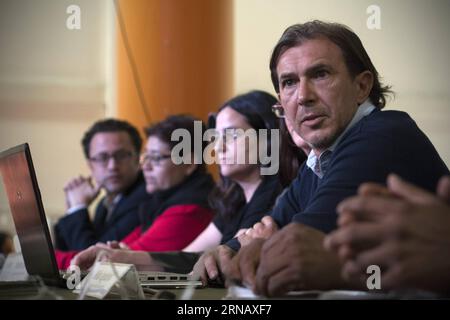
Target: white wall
(411, 51)
(54, 83)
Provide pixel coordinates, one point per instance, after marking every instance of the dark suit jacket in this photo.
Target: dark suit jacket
(77, 232)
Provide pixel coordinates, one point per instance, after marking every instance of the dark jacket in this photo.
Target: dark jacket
(77, 232)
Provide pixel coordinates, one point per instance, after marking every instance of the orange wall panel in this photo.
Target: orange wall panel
(184, 57)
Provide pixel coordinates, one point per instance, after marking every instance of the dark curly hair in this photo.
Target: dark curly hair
(111, 125)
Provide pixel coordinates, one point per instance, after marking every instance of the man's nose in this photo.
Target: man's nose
(305, 93)
(112, 163)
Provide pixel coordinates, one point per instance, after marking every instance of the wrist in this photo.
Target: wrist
(75, 208)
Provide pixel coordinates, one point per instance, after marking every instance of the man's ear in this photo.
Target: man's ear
(364, 83)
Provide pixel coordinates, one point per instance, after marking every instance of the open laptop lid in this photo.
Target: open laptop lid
(19, 179)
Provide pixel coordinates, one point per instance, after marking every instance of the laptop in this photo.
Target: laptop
(19, 179)
(24, 197)
(156, 279)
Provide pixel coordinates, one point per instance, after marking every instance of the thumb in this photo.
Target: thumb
(268, 221)
(443, 189)
(407, 190)
(95, 187)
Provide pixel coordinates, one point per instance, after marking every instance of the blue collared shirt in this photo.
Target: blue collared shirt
(319, 164)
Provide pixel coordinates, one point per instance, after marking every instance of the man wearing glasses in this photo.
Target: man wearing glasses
(111, 148)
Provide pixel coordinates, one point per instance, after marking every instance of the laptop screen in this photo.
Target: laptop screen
(24, 197)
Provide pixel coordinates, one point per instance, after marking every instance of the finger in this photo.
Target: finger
(211, 266)
(231, 270)
(249, 261)
(79, 180)
(258, 227)
(201, 274)
(408, 191)
(344, 218)
(199, 271)
(66, 186)
(275, 241)
(69, 185)
(224, 255)
(443, 189)
(247, 267)
(268, 221)
(282, 282)
(113, 244)
(348, 217)
(240, 232)
(103, 246)
(123, 246)
(266, 270)
(76, 260)
(368, 208)
(96, 187)
(370, 188)
(357, 236)
(85, 258)
(244, 239)
(344, 251)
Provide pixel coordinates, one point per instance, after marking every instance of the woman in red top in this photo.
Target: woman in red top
(179, 192)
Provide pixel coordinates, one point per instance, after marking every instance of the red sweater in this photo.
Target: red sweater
(173, 230)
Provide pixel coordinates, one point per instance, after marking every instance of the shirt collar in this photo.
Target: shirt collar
(319, 165)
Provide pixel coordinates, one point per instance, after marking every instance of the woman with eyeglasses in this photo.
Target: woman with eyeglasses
(243, 195)
(178, 209)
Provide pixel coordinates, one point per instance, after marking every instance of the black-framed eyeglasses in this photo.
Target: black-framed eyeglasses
(230, 135)
(154, 159)
(278, 110)
(118, 156)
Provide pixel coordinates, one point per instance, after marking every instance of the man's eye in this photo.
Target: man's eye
(321, 73)
(103, 157)
(287, 83)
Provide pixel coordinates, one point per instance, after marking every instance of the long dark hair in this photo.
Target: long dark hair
(256, 106)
